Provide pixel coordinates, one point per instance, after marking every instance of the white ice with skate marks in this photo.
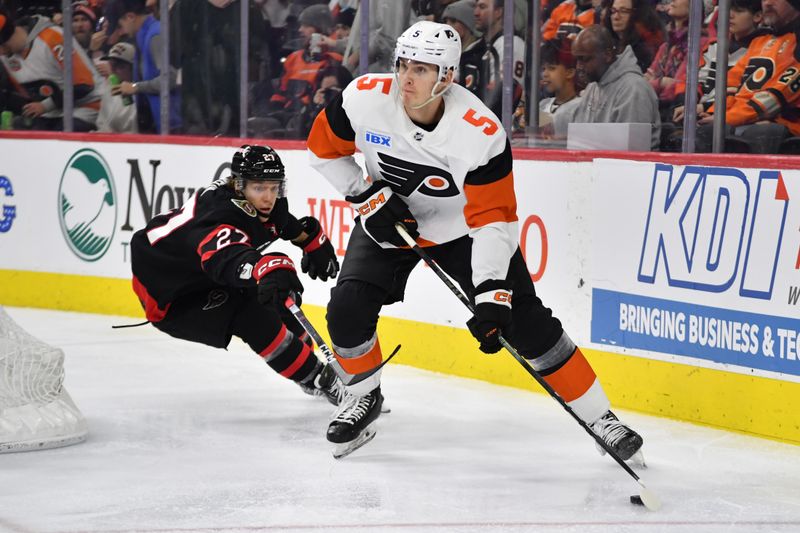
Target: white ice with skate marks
(188, 438)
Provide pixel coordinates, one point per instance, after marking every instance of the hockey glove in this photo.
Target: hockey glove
(379, 209)
(492, 314)
(281, 223)
(319, 259)
(277, 278)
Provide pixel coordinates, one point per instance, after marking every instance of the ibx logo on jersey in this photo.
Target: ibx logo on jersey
(9, 211)
(379, 139)
(709, 225)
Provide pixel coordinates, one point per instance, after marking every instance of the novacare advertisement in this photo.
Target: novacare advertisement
(697, 261)
(72, 207)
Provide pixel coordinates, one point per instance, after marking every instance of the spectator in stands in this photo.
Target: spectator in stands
(135, 22)
(670, 62)
(83, 22)
(745, 21)
(635, 23)
(461, 16)
(343, 21)
(489, 21)
(332, 81)
(301, 78)
(30, 53)
(558, 79)
(117, 112)
(764, 85)
(210, 66)
(616, 91)
(387, 20)
(570, 17)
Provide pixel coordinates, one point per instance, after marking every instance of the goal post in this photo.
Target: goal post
(36, 412)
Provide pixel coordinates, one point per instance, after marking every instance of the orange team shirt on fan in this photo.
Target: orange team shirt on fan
(565, 19)
(44, 62)
(457, 179)
(300, 76)
(765, 83)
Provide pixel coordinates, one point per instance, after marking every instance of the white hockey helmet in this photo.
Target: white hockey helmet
(430, 42)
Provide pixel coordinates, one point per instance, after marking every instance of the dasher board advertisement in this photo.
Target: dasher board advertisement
(698, 261)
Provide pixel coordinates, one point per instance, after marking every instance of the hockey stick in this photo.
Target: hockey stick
(647, 497)
(320, 342)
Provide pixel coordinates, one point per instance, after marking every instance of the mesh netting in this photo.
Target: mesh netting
(31, 372)
(35, 410)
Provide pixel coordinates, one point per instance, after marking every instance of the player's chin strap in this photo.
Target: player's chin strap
(434, 95)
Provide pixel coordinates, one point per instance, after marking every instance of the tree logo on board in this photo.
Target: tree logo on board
(87, 205)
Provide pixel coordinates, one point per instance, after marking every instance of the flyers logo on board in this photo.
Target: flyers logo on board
(711, 229)
(9, 212)
(87, 203)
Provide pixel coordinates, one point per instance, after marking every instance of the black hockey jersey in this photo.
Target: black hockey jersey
(214, 240)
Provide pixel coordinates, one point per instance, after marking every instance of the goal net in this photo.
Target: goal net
(36, 412)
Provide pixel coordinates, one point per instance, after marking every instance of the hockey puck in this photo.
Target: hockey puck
(636, 500)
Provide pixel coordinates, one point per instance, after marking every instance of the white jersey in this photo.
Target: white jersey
(39, 72)
(457, 179)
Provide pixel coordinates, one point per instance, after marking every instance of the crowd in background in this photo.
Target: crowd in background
(601, 61)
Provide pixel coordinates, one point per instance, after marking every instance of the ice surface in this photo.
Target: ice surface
(189, 438)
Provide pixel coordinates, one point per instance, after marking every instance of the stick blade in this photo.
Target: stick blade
(649, 499)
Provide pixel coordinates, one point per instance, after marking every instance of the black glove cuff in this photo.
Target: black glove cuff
(292, 229)
(311, 227)
(362, 196)
(493, 285)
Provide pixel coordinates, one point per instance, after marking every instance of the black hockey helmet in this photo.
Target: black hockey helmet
(257, 163)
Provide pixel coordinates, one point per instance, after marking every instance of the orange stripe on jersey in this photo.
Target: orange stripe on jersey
(491, 202)
(324, 143)
(574, 378)
(363, 363)
(81, 73)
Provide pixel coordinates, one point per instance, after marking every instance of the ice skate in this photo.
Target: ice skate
(353, 424)
(619, 437)
(326, 384)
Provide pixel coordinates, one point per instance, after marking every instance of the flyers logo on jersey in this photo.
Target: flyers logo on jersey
(407, 177)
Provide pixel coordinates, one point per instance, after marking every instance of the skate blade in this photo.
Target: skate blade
(385, 408)
(637, 459)
(346, 448)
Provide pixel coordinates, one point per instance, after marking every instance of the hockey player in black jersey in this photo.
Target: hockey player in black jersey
(202, 274)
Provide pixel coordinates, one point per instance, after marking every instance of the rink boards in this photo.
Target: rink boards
(679, 277)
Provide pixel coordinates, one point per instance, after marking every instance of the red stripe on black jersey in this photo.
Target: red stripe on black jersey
(152, 311)
(221, 237)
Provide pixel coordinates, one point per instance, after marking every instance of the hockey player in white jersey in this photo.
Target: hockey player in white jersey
(438, 161)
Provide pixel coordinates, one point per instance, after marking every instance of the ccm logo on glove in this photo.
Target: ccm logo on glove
(269, 263)
(373, 203)
(497, 297)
